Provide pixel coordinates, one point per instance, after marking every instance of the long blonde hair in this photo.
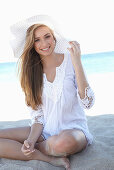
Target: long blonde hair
(30, 70)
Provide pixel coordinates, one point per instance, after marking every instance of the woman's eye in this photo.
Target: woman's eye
(37, 40)
(48, 36)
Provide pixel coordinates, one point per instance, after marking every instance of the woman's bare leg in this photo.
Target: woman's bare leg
(66, 143)
(10, 147)
(18, 134)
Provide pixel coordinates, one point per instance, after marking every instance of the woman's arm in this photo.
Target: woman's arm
(29, 143)
(37, 123)
(36, 131)
(84, 92)
(81, 80)
(79, 72)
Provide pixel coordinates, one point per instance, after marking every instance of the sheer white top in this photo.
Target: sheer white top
(62, 106)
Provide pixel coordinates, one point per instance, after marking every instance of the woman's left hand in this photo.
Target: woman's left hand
(75, 52)
(28, 148)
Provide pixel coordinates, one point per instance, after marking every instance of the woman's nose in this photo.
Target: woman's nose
(43, 44)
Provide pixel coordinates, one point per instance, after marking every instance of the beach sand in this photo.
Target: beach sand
(98, 156)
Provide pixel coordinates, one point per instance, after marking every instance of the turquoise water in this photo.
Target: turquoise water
(99, 62)
(93, 64)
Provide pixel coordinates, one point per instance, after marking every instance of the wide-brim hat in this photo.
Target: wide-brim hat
(19, 29)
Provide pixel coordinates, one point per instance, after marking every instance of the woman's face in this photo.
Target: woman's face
(44, 42)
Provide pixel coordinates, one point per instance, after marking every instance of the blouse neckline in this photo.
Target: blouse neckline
(57, 68)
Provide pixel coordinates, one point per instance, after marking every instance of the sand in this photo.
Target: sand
(98, 156)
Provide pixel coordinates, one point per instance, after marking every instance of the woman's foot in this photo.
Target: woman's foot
(63, 162)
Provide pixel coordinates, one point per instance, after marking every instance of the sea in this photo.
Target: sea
(99, 68)
(93, 64)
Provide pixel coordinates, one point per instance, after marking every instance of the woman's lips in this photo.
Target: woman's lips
(45, 49)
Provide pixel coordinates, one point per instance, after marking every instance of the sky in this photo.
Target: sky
(90, 22)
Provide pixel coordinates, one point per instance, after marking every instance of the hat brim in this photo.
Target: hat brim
(19, 33)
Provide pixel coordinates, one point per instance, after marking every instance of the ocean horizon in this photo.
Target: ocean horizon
(14, 59)
(99, 68)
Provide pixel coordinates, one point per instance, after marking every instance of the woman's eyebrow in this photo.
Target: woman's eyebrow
(44, 35)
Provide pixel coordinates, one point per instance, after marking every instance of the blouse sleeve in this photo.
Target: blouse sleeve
(37, 116)
(88, 101)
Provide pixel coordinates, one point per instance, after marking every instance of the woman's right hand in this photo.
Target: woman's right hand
(28, 148)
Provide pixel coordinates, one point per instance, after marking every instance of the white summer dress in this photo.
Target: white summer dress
(62, 106)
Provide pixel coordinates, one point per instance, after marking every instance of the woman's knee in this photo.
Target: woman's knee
(70, 142)
(65, 144)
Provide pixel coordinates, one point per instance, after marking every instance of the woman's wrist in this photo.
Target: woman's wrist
(78, 65)
(35, 132)
(31, 140)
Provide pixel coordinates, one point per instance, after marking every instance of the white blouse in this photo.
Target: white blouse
(62, 106)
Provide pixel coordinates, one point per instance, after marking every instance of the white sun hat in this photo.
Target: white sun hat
(19, 29)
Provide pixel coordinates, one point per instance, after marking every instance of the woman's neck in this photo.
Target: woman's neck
(49, 61)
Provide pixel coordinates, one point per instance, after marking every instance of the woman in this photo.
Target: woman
(56, 91)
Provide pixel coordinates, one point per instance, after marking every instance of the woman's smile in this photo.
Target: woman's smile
(46, 49)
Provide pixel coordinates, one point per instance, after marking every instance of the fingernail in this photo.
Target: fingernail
(33, 150)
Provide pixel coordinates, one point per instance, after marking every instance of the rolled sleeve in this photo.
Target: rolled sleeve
(88, 101)
(37, 116)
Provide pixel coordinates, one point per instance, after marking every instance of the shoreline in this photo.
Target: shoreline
(8, 60)
(13, 59)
